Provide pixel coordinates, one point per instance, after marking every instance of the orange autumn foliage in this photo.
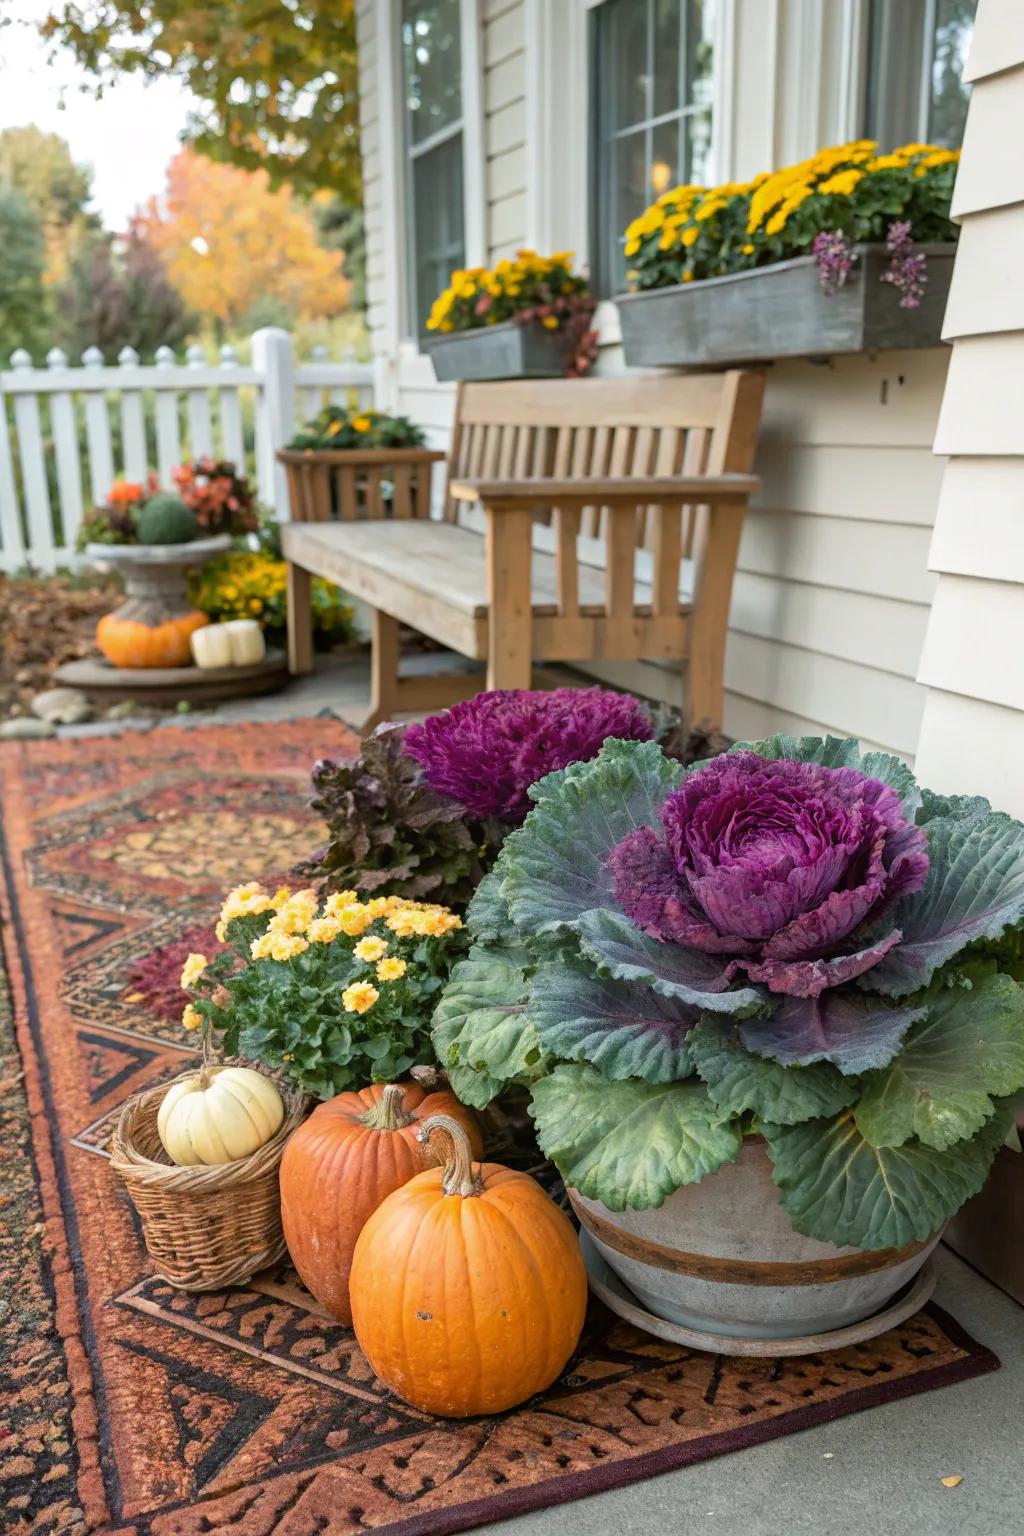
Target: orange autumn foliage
(228, 239)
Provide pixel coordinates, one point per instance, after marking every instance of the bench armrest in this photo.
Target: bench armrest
(635, 491)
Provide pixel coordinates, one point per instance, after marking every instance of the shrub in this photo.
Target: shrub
(341, 426)
(247, 584)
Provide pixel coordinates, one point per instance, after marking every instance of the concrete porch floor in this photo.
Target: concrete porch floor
(876, 1472)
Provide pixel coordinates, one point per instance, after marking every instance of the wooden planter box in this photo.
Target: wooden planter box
(351, 483)
(780, 311)
(506, 351)
(989, 1230)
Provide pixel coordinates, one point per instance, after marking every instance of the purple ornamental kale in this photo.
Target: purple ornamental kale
(487, 751)
(776, 864)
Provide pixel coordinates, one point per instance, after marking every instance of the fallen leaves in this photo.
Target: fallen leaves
(45, 621)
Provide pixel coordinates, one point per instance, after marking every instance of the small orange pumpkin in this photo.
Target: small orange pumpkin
(129, 643)
(468, 1287)
(351, 1153)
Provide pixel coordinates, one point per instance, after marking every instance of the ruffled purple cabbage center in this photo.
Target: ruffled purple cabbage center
(487, 751)
(777, 865)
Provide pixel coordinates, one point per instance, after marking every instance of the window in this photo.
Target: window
(916, 53)
(432, 67)
(651, 88)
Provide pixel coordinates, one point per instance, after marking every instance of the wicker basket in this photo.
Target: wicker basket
(206, 1228)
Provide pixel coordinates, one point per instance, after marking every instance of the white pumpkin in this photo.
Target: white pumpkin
(216, 1118)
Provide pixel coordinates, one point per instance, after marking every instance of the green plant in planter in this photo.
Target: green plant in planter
(791, 937)
(339, 426)
(335, 994)
(165, 519)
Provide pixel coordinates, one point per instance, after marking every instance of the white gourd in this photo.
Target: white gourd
(219, 1116)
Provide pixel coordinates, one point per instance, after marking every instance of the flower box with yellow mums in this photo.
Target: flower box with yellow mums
(334, 993)
(849, 251)
(353, 462)
(527, 318)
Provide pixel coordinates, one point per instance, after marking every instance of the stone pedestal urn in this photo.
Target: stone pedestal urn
(156, 600)
(722, 1257)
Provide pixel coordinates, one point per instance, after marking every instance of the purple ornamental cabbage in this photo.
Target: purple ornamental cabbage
(776, 865)
(487, 751)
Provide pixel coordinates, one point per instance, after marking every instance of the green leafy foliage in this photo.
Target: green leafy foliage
(974, 890)
(839, 1188)
(554, 867)
(341, 426)
(480, 1031)
(276, 82)
(741, 1083)
(388, 833)
(165, 519)
(630, 1143)
(852, 1030)
(968, 1051)
(623, 1030)
(618, 948)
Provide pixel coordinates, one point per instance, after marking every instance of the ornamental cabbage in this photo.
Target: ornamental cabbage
(488, 750)
(792, 937)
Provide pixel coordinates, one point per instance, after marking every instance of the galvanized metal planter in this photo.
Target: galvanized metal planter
(506, 351)
(780, 311)
(721, 1257)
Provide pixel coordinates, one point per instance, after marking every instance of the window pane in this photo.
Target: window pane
(432, 56)
(651, 89)
(624, 23)
(916, 56)
(954, 24)
(668, 24)
(437, 222)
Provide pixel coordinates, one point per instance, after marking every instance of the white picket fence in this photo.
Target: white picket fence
(67, 432)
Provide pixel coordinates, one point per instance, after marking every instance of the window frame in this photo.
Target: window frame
(856, 62)
(602, 143)
(404, 329)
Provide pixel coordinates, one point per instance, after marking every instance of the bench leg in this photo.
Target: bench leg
(300, 620)
(384, 658)
(703, 704)
(510, 626)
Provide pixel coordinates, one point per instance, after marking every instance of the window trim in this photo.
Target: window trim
(854, 67)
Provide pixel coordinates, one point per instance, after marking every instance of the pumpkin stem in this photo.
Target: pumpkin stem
(458, 1177)
(389, 1112)
(207, 1061)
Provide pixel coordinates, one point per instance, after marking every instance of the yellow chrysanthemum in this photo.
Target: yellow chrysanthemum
(280, 896)
(391, 969)
(295, 914)
(339, 901)
(244, 901)
(191, 1017)
(323, 930)
(842, 184)
(359, 997)
(278, 946)
(371, 948)
(191, 971)
(221, 930)
(353, 920)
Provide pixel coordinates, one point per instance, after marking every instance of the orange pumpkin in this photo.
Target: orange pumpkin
(350, 1154)
(468, 1287)
(128, 643)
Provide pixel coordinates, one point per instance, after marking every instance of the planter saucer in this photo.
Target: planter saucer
(607, 1287)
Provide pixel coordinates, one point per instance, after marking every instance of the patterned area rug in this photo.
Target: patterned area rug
(128, 1407)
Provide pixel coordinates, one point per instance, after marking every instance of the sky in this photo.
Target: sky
(126, 138)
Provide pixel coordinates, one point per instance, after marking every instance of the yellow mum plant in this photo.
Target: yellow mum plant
(530, 289)
(336, 994)
(848, 192)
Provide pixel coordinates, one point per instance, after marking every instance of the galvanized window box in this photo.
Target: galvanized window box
(506, 351)
(780, 311)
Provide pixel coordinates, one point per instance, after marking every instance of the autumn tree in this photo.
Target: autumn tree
(40, 166)
(276, 79)
(230, 242)
(118, 295)
(24, 307)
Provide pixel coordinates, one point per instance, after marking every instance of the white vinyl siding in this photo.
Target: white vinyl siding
(972, 734)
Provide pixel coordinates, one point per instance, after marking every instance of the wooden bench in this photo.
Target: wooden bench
(574, 508)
